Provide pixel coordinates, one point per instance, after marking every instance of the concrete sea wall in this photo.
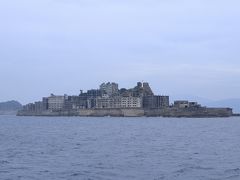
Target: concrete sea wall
(89, 112)
(188, 112)
(167, 112)
(112, 112)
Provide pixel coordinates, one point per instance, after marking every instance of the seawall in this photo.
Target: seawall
(138, 112)
(88, 112)
(188, 112)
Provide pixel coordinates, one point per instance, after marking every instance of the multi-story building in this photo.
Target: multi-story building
(131, 102)
(38, 106)
(186, 104)
(155, 102)
(110, 89)
(147, 89)
(119, 102)
(103, 102)
(141, 90)
(94, 93)
(108, 96)
(29, 107)
(181, 104)
(91, 102)
(76, 102)
(45, 103)
(56, 103)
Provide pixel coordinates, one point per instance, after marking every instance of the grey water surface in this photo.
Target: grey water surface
(73, 148)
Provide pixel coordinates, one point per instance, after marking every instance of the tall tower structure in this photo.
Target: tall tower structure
(110, 89)
(147, 89)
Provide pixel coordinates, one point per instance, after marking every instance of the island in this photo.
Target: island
(109, 100)
(10, 107)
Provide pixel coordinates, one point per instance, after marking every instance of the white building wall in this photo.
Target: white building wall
(131, 102)
(119, 102)
(56, 102)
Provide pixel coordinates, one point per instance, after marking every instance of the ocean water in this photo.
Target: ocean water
(80, 148)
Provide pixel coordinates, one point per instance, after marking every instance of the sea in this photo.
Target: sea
(112, 148)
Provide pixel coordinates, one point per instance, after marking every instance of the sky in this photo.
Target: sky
(181, 47)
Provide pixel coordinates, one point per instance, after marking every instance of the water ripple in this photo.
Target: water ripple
(119, 148)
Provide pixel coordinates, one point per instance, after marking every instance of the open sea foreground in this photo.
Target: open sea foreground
(81, 148)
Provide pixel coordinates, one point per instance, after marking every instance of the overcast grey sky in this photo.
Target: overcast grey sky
(186, 47)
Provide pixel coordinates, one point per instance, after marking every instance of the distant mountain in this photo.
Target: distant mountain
(10, 107)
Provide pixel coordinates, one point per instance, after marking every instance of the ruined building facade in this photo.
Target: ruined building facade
(108, 96)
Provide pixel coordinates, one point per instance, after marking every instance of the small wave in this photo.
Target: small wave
(4, 162)
(232, 170)
(4, 172)
(233, 177)
(45, 171)
(202, 168)
(181, 171)
(76, 174)
(160, 178)
(187, 169)
(19, 168)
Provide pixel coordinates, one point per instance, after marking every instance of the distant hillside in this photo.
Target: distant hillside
(10, 107)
